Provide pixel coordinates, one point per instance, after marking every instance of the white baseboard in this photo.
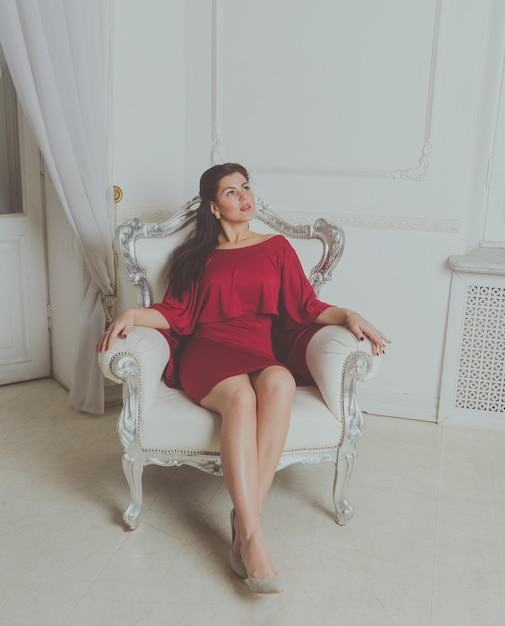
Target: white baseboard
(482, 420)
(426, 409)
(399, 405)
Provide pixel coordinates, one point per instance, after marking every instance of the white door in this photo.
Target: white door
(24, 332)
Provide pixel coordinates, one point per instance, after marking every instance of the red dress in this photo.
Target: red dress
(252, 308)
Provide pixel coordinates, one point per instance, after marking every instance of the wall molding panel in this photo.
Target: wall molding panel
(416, 172)
(379, 222)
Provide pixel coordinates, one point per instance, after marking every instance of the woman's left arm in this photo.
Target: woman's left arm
(356, 324)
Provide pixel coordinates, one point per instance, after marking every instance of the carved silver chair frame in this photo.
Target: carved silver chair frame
(124, 365)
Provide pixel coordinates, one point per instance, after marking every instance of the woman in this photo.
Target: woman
(234, 294)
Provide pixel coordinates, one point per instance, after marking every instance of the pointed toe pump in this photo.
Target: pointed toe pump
(272, 584)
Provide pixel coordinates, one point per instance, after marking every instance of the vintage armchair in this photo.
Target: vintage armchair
(163, 426)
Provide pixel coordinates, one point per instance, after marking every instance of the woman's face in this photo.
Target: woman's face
(234, 199)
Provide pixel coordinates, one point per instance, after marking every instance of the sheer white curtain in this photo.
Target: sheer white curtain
(59, 53)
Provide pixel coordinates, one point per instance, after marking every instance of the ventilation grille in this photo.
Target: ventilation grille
(481, 372)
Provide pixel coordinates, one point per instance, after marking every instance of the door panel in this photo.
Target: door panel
(14, 339)
(24, 332)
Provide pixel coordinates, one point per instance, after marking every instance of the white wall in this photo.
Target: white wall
(149, 102)
(371, 114)
(380, 116)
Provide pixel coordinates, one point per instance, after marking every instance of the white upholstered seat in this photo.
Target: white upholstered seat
(162, 426)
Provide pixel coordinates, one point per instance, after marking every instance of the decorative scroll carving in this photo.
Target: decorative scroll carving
(126, 369)
(308, 457)
(357, 367)
(128, 233)
(216, 155)
(420, 172)
(331, 237)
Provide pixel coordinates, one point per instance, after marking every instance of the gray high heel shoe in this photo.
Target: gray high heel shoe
(236, 563)
(272, 584)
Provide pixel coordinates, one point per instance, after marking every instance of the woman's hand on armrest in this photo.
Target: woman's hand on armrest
(121, 326)
(358, 325)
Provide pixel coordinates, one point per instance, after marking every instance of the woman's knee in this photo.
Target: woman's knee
(233, 396)
(276, 380)
(242, 400)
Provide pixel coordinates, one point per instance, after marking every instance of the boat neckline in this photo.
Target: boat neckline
(253, 245)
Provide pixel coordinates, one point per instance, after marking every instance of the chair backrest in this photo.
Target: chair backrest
(145, 248)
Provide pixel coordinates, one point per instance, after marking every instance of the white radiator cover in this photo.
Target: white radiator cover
(481, 369)
(473, 386)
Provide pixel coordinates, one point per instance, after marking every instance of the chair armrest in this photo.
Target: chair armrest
(139, 361)
(334, 354)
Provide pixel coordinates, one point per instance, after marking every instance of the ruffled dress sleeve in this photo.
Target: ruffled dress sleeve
(298, 304)
(182, 316)
(299, 307)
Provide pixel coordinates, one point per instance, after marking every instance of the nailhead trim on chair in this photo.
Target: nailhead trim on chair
(218, 455)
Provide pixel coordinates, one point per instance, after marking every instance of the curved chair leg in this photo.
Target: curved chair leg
(133, 468)
(344, 466)
(347, 456)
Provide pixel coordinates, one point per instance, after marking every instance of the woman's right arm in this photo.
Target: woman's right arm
(121, 326)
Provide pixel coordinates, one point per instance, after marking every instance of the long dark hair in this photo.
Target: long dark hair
(188, 260)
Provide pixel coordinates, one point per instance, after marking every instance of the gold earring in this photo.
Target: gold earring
(217, 215)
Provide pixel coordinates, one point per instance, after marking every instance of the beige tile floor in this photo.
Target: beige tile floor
(426, 545)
